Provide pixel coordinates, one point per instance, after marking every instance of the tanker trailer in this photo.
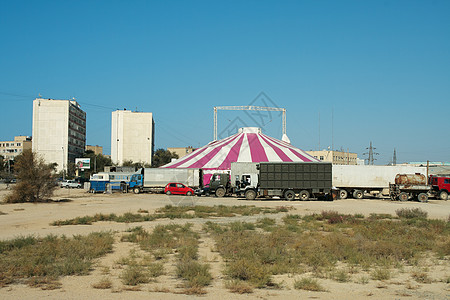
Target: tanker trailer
(409, 187)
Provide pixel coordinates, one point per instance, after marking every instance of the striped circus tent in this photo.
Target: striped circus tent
(248, 145)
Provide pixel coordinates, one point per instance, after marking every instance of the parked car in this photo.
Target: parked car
(70, 184)
(178, 189)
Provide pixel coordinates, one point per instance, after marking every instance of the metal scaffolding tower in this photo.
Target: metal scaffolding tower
(250, 107)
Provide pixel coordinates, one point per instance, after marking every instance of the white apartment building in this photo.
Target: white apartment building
(10, 149)
(59, 131)
(132, 136)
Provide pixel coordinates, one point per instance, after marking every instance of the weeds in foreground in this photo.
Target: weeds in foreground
(317, 243)
(411, 213)
(239, 287)
(309, 284)
(183, 241)
(135, 274)
(103, 284)
(421, 277)
(381, 274)
(173, 212)
(42, 261)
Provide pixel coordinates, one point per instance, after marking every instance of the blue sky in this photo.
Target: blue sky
(369, 70)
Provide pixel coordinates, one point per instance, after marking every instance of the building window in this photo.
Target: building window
(321, 158)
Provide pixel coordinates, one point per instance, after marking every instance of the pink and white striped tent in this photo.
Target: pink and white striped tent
(248, 145)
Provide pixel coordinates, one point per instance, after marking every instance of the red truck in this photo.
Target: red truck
(440, 186)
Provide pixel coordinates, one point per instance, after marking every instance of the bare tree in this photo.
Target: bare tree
(35, 179)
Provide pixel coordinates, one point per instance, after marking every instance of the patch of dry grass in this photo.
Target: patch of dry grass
(42, 261)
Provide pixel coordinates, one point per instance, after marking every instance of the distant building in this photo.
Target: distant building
(59, 131)
(10, 149)
(132, 136)
(96, 149)
(335, 157)
(181, 151)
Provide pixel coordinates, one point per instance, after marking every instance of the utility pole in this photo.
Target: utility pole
(371, 159)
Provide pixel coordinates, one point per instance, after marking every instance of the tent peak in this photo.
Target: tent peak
(249, 130)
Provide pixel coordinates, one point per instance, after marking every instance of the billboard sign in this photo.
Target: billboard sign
(83, 163)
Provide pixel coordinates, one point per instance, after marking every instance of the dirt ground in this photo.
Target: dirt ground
(34, 219)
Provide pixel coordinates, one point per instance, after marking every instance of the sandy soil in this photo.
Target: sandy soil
(34, 219)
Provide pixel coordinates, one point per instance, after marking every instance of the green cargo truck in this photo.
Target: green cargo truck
(287, 180)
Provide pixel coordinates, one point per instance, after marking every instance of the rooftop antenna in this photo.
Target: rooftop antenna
(394, 159)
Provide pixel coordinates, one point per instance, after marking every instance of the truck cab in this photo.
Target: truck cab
(136, 183)
(440, 186)
(247, 185)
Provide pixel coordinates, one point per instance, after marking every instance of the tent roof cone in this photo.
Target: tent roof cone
(248, 145)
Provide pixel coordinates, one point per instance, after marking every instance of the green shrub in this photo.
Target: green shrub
(381, 274)
(135, 274)
(249, 270)
(195, 273)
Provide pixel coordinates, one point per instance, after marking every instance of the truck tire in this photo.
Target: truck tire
(403, 196)
(443, 195)
(343, 194)
(358, 194)
(304, 195)
(136, 190)
(220, 192)
(422, 197)
(289, 195)
(250, 195)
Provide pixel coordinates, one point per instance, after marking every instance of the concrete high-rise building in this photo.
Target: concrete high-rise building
(59, 131)
(132, 136)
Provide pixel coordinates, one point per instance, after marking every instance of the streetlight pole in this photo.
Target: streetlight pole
(63, 169)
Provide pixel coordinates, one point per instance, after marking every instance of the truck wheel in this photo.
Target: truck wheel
(136, 190)
(343, 194)
(289, 195)
(304, 195)
(403, 196)
(358, 194)
(250, 195)
(443, 195)
(423, 197)
(220, 192)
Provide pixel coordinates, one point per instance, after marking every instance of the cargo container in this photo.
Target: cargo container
(358, 180)
(155, 179)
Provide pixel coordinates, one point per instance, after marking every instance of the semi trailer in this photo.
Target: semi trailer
(287, 180)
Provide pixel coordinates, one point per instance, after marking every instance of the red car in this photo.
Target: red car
(178, 189)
